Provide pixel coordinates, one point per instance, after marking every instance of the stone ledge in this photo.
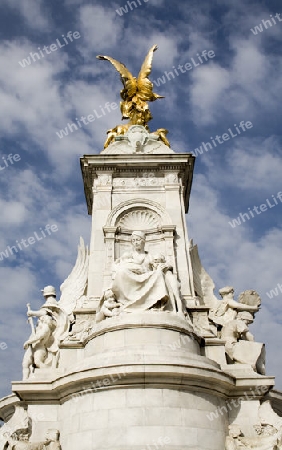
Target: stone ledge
(157, 375)
(93, 164)
(188, 379)
(152, 319)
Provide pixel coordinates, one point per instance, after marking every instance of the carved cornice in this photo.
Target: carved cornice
(168, 169)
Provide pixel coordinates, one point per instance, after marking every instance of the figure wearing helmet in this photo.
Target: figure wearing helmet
(42, 347)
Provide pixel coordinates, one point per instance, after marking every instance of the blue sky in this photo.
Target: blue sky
(241, 83)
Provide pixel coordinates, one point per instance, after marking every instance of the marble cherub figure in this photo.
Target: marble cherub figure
(108, 306)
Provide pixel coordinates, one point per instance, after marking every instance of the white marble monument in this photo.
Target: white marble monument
(138, 352)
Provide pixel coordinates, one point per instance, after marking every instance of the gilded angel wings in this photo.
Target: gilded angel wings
(139, 90)
(135, 94)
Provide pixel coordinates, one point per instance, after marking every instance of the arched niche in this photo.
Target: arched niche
(138, 214)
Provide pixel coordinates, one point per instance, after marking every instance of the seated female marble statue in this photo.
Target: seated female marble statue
(140, 283)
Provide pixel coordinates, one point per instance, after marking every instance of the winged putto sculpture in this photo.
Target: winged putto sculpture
(135, 95)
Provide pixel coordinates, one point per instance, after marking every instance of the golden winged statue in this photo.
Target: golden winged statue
(135, 94)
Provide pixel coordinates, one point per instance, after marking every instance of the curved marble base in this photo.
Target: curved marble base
(135, 381)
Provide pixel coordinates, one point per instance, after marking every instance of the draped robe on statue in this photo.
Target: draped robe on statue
(137, 286)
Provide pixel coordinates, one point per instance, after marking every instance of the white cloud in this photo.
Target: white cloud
(100, 27)
(32, 99)
(252, 81)
(156, 2)
(252, 165)
(12, 212)
(209, 85)
(264, 159)
(33, 12)
(164, 57)
(249, 64)
(251, 72)
(234, 257)
(17, 285)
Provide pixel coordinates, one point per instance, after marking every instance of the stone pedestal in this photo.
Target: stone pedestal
(133, 191)
(135, 380)
(154, 378)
